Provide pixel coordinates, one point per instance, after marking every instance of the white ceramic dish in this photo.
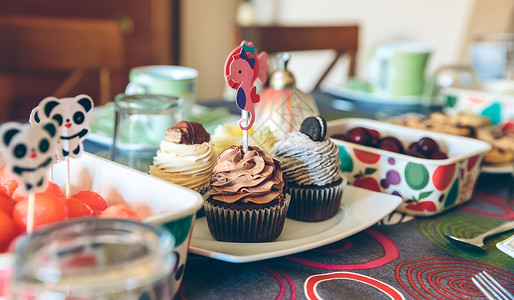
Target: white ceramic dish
(428, 186)
(362, 208)
(160, 202)
(367, 97)
(498, 168)
(507, 246)
(495, 101)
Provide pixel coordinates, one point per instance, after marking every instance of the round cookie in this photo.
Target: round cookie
(315, 128)
(497, 155)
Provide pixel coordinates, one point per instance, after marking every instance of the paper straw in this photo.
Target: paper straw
(30, 212)
(68, 192)
(244, 115)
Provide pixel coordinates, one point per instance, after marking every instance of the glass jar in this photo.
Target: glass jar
(94, 258)
(139, 125)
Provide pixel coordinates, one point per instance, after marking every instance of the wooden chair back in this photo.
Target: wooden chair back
(343, 39)
(79, 46)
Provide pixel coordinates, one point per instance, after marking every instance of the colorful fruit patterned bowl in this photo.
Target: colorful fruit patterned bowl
(427, 186)
(158, 201)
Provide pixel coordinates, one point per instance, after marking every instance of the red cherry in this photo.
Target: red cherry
(368, 183)
(414, 151)
(391, 144)
(376, 136)
(427, 146)
(388, 146)
(439, 155)
(392, 139)
(360, 135)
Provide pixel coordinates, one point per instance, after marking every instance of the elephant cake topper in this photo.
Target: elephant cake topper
(243, 66)
(29, 151)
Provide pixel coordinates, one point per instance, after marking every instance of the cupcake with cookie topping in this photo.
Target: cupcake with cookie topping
(185, 157)
(247, 202)
(311, 165)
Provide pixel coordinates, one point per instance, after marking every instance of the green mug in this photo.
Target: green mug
(407, 71)
(398, 68)
(167, 80)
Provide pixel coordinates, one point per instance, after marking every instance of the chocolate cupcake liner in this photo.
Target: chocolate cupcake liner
(258, 225)
(315, 204)
(204, 190)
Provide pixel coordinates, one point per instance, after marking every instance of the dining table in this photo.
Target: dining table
(397, 256)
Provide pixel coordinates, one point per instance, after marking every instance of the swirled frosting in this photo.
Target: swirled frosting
(306, 162)
(253, 176)
(186, 165)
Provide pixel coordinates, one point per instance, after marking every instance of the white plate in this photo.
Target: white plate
(507, 246)
(498, 168)
(366, 97)
(362, 208)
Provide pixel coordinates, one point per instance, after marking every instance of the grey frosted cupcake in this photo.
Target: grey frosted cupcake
(311, 167)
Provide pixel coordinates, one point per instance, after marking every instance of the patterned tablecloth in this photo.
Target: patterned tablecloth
(409, 258)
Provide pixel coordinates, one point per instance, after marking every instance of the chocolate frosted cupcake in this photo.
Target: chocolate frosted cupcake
(247, 203)
(311, 167)
(185, 157)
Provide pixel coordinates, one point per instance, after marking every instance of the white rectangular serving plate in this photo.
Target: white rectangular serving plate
(360, 209)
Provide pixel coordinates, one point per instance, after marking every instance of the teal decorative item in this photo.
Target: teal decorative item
(346, 160)
(493, 112)
(451, 100)
(180, 229)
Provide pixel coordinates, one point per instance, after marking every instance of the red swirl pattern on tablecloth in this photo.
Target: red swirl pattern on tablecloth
(491, 200)
(447, 278)
(391, 253)
(311, 283)
(290, 282)
(347, 245)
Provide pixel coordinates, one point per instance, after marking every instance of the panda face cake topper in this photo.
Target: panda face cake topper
(29, 151)
(72, 118)
(315, 128)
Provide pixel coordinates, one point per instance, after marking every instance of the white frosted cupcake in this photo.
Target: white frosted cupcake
(186, 157)
(311, 167)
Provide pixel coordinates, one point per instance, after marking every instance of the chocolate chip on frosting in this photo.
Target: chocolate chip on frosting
(315, 128)
(188, 133)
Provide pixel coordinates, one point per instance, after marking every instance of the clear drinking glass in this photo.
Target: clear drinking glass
(140, 123)
(94, 258)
